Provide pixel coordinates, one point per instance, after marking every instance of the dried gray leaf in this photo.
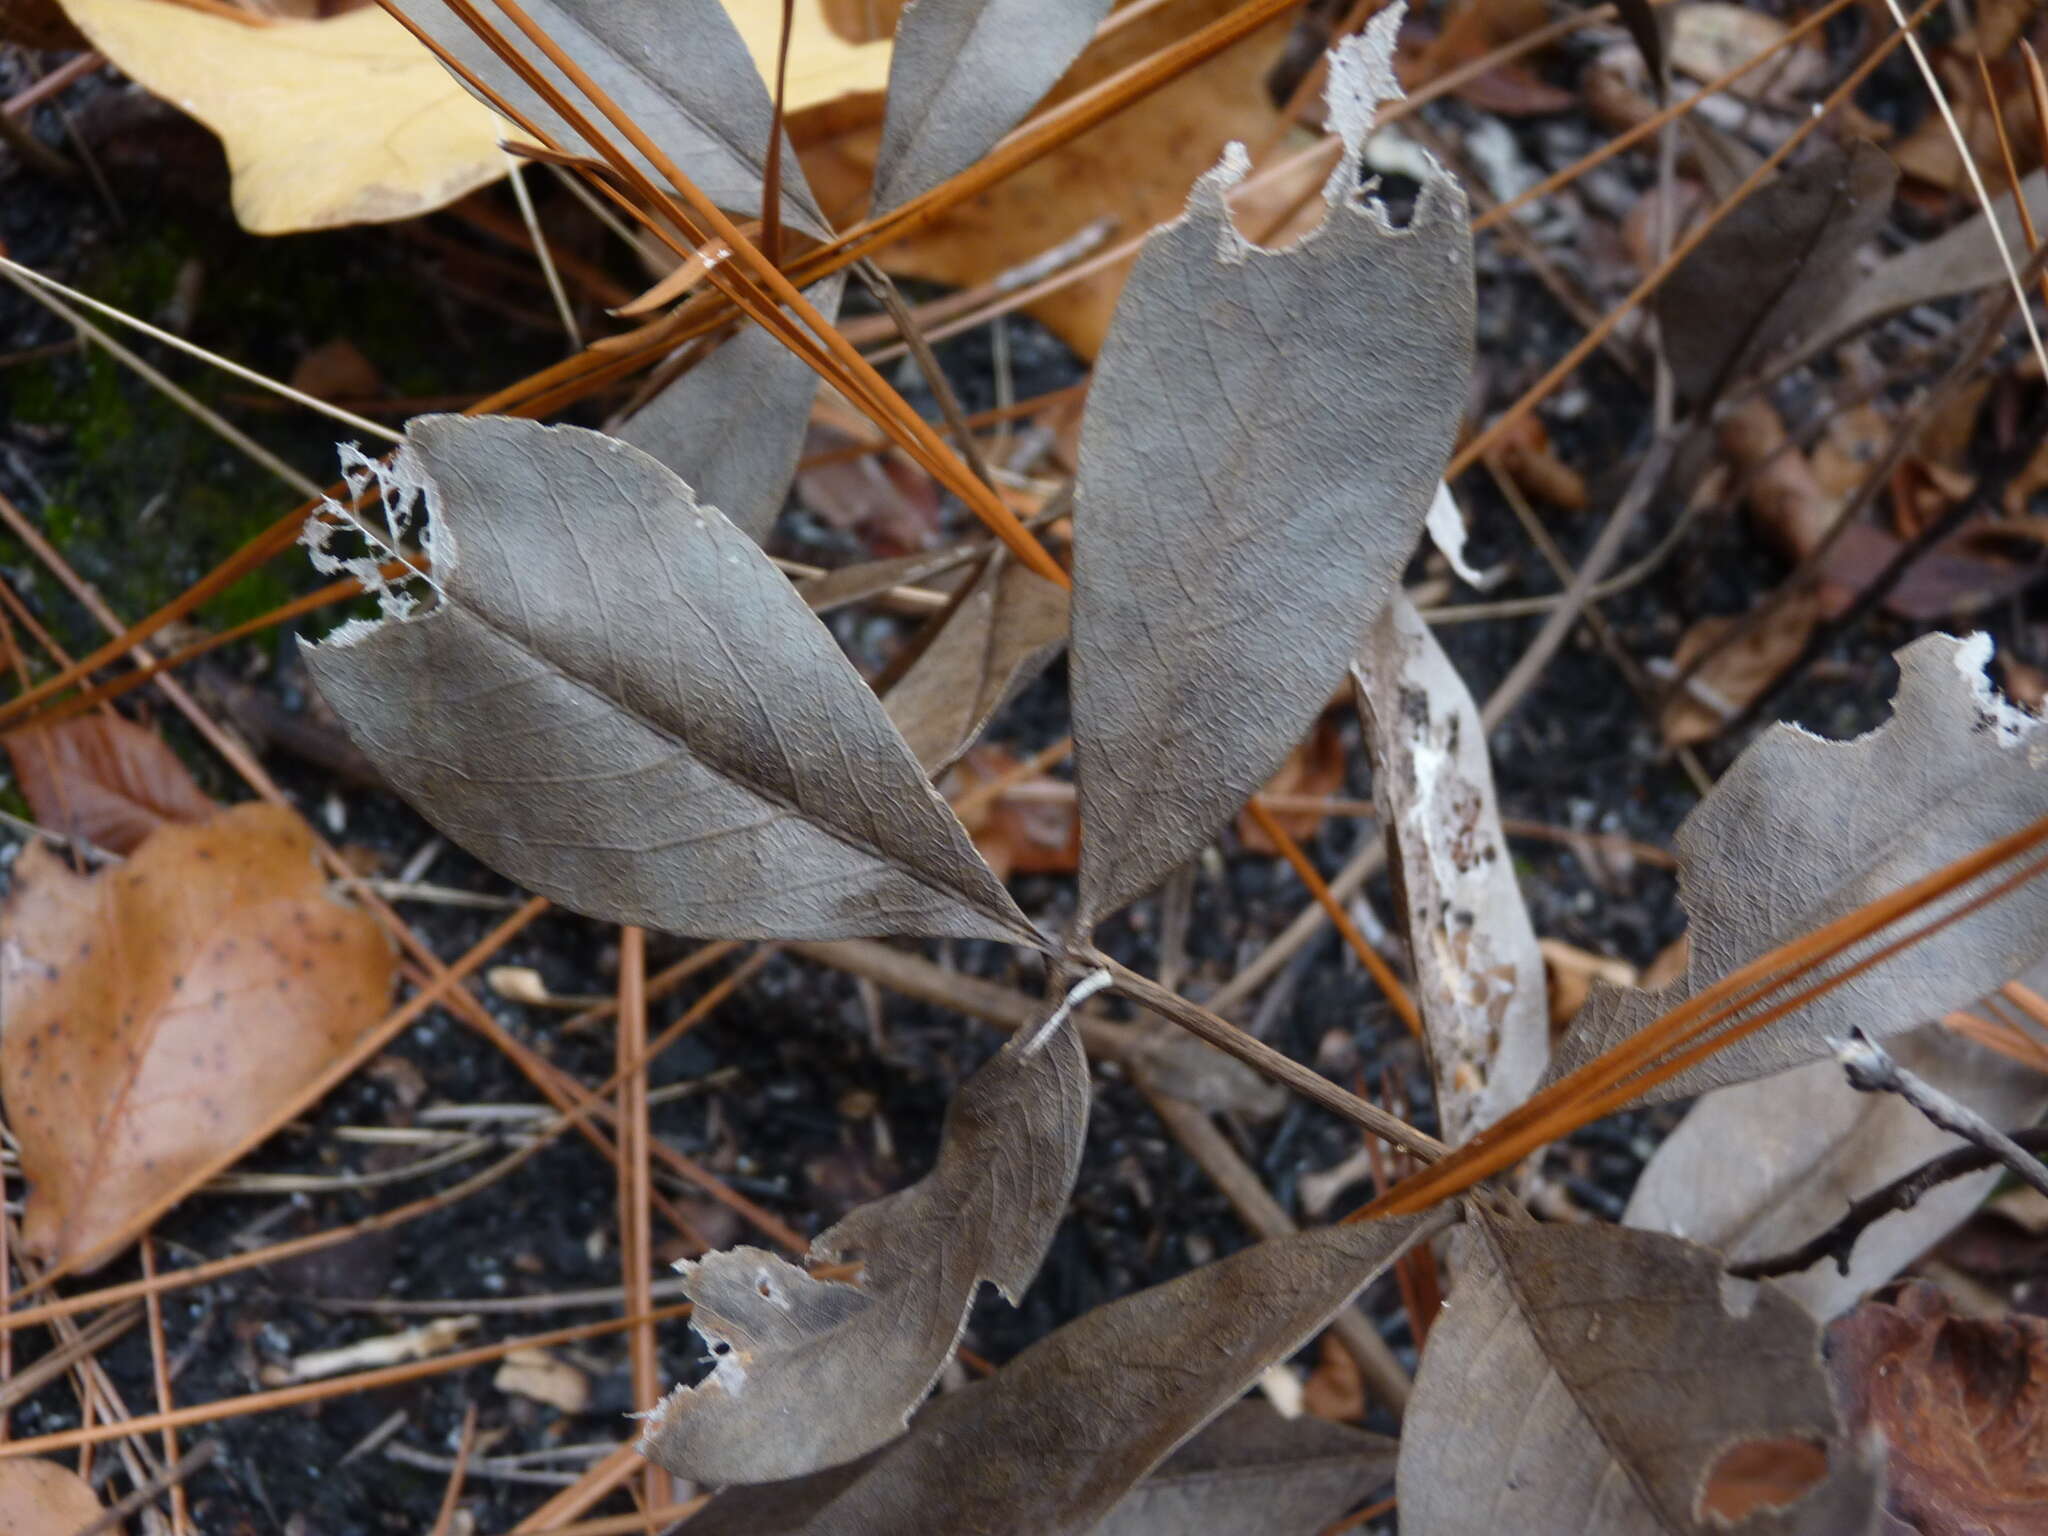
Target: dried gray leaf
(1801, 831)
(1480, 983)
(1961, 260)
(813, 1373)
(733, 426)
(677, 68)
(1051, 1443)
(1264, 437)
(1000, 633)
(1249, 1470)
(1758, 279)
(1597, 1381)
(964, 72)
(619, 703)
(1252, 1470)
(1760, 1168)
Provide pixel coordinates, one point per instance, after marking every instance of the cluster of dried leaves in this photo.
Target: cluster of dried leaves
(592, 677)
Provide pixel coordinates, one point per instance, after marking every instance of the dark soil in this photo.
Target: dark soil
(815, 1093)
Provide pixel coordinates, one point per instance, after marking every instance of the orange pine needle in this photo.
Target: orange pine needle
(1644, 1059)
(1370, 958)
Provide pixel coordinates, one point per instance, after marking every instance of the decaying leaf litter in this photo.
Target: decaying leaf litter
(1246, 744)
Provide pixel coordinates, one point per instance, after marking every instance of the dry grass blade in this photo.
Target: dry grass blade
(332, 1387)
(1969, 161)
(577, 1114)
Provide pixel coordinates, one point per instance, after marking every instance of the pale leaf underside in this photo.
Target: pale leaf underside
(1801, 831)
(813, 1373)
(1479, 975)
(618, 702)
(1264, 436)
(1589, 1381)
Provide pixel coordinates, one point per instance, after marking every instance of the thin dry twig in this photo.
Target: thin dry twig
(1838, 1242)
(1871, 1069)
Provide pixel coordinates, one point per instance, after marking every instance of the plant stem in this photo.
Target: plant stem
(1261, 1057)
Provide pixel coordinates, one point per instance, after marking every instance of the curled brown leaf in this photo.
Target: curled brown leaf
(1962, 1402)
(105, 779)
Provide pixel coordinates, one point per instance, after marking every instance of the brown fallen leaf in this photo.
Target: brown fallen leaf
(1756, 282)
(1571, 972)
(1787, 502)
(536, 1374)
(104, 779)
(1952, 579)
(1711, 37)
(1015, 835)
(39, 24)
(1334, 1390)
(811, 1373)
(337, 370)
(1854, 440)
(1529, 459)
(158, 1013)
(1736, 675)
(1960, 260)
(1477, 28)
(881, 497)
(1314, 767)
(42, 1498)
(1962, 1403)
(1135, 169)
(1928, 154)
(350, 120)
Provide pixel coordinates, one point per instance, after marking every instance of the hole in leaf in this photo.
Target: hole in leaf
(1755, 1475)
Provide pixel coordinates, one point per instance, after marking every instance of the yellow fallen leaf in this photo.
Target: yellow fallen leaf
(822, 65)
(345, 121)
